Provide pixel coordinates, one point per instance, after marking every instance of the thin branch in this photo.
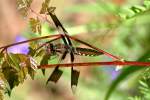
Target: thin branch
(31, 40)
(87, 64)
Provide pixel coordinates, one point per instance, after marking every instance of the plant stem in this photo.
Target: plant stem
(116, 63)
(31, 40)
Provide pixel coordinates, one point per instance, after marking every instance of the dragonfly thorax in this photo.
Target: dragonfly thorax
(61, 48)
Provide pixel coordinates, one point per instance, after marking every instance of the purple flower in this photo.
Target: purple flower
(21, 48)
(114, 74)
(111, 70)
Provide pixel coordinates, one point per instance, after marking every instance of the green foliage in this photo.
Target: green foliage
(45, 5)
(44, 61)
(135, 98)
(14, 70)
(23, 6)
(35, 25)
(144, 86)
(137, 10)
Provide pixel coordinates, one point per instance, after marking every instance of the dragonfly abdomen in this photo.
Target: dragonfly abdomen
(86, 52)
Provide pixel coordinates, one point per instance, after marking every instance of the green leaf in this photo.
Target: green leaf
(23, 6)
(45, 5)
(4, 86)
(27, 67)
(44, 61)
(10, 75)
(31, 52)
(40, 53)
(13, 60)
(13, 75)
(124, 74)
(24, 65)
(32, 48)
(1, 95)
(1, 57)
(137, 9)
(31, 72)
(35, 25)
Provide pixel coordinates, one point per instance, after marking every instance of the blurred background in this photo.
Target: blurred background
(98, 22)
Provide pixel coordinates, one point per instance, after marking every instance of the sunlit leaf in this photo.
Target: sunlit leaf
(4, 86)
(13, 75)
(25, 65)
(13, 60)
(146, 73)
(40, 53)
(10, 75)
(45, 5)
(31, 51)
(3, 82)
(1, 95)
(137, 9)
(35, 25)
(1, 57)
(31, 72)
(32, 48)
(23, 6)
(44, 61)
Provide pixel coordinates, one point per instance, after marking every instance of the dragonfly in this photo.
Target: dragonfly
(64, 48)
(56, 74)
(54, 49)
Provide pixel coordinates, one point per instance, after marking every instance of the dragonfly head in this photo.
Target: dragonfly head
(50, 49)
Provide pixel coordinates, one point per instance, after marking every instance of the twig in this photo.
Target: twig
(31, 40)
(131, 63)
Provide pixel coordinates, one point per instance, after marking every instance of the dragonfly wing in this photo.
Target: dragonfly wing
(74, 75)
(74, 79)
(56, 74)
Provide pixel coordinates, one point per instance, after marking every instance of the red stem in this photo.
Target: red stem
(31, 40)
(131, 63)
